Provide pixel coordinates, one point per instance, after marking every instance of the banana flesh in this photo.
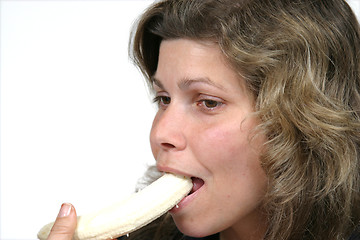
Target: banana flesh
(131, 213)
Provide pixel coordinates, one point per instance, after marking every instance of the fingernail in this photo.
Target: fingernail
(65, 210)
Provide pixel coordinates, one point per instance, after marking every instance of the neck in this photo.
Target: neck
(250, 230)
(232, 235)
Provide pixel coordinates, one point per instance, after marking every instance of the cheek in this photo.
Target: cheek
(223, 141)
(233, 157)
(231, 150)
(153, 144)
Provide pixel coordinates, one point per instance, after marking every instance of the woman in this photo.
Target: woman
(259, 103)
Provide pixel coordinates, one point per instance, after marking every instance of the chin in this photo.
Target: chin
(192, 228)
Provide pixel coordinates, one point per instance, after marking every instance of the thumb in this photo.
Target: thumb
(65, 223)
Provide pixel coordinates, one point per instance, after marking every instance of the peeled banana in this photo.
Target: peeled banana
(132, 213)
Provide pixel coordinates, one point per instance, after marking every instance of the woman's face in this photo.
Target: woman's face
(203, 129)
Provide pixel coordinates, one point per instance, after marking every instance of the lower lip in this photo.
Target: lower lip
(185, 201)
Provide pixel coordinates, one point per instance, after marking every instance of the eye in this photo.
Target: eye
(162, 101)
(209, 104)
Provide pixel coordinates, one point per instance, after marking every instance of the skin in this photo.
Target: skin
(204, 129)
(65, 223)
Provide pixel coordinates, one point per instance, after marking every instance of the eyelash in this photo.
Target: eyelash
(203, 103)
(164, 101)
(159, 100)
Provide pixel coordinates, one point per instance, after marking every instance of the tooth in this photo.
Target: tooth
(132, 213)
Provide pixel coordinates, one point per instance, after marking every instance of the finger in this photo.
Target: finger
(65, 223)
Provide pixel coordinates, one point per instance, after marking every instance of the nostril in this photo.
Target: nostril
(167, 145)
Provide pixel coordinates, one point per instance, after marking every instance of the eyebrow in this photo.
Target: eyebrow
(157, 82)
(187, 82)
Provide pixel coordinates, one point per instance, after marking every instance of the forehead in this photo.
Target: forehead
(190, 57)
(194, 48)
(187, 61)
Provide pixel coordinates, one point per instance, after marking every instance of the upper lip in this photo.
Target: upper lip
(168, 169)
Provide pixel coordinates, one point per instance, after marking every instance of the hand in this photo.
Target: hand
(65, 224)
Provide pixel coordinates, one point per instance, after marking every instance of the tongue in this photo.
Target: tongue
(197, 183)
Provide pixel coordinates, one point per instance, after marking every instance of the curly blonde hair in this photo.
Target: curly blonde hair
(301, 60)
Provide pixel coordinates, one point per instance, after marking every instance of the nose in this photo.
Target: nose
(168, 130)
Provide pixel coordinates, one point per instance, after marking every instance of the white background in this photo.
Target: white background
(75, 113)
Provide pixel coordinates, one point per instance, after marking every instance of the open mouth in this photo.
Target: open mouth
(197, 184)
